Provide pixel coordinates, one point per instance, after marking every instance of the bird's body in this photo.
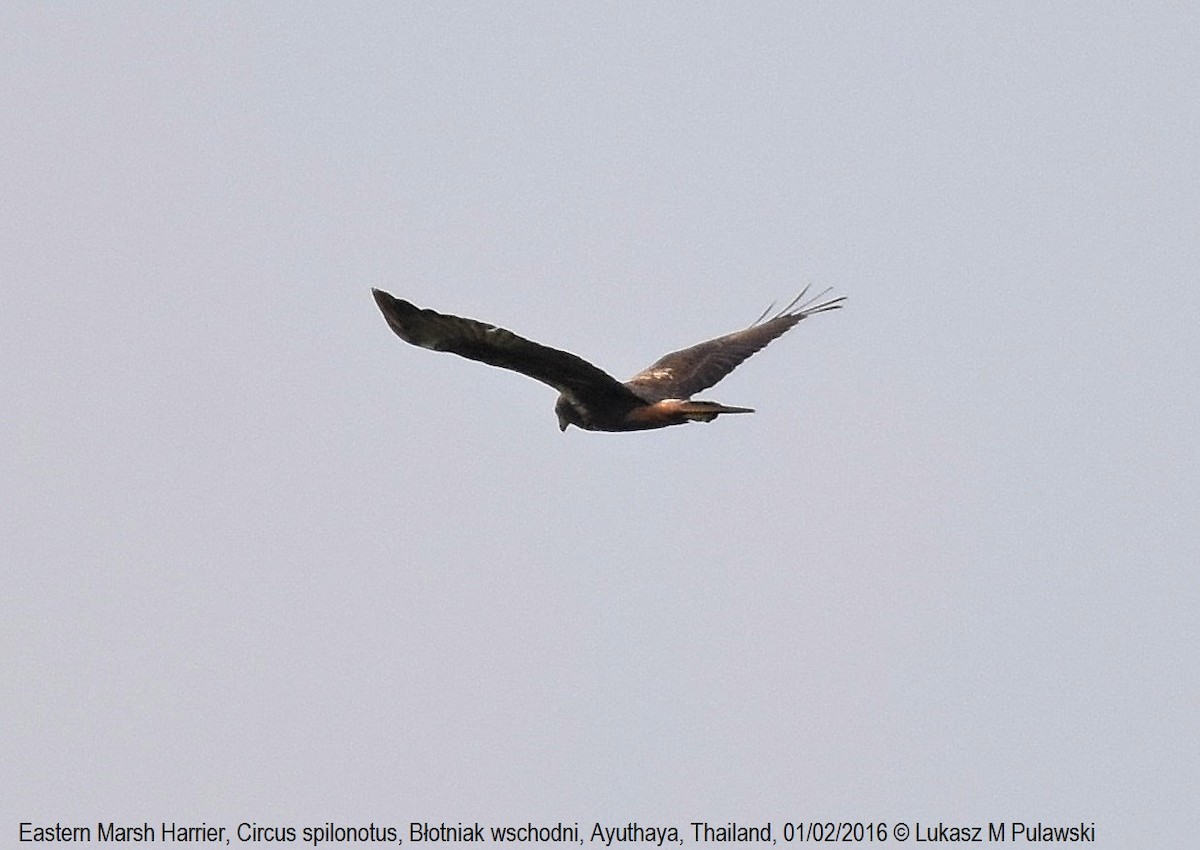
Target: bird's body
(589, 397)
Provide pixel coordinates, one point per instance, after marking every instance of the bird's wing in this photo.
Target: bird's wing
(566, 372)
(682, 373)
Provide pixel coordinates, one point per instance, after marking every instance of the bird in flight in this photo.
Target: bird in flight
(590, 398)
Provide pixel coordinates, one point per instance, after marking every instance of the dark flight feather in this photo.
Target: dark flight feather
(568, 373)
(682, 373)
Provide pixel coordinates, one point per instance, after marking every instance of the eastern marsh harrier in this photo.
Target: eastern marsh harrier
(590, 398)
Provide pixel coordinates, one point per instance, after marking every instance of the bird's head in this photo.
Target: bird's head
(567, 414)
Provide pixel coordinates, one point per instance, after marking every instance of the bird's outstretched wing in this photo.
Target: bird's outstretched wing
(567, 373)
(682, 373)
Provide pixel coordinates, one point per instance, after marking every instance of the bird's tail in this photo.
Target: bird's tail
(707, 411)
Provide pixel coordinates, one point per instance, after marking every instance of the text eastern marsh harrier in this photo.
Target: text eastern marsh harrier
(590, 398)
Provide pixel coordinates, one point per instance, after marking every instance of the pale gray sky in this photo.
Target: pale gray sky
(266, 562)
